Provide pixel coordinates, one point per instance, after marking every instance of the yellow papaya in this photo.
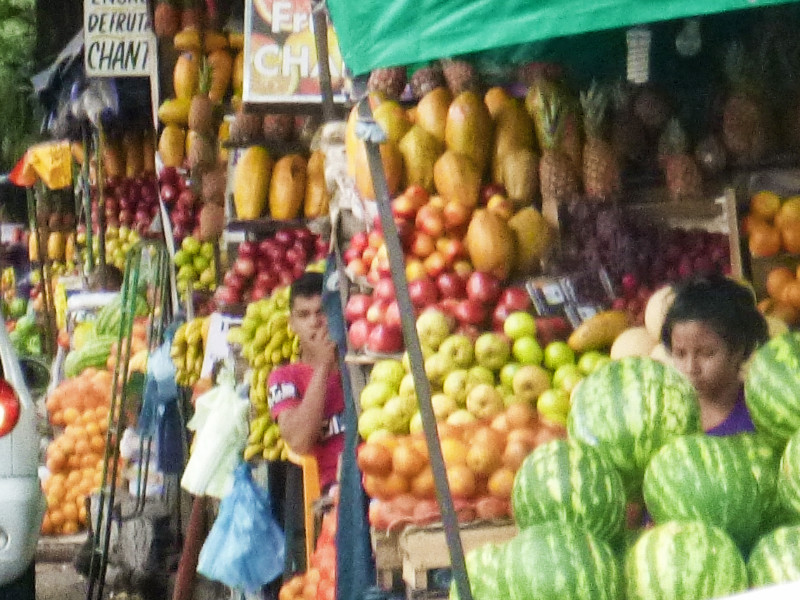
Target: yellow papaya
(251, 182)
(288, 187)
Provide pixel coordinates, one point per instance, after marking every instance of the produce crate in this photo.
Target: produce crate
(424, 549)
(388, 563)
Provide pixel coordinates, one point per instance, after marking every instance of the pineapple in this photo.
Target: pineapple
(426, 79)
(682, 174)
(652, 107)
(601, 177)
(201, 109)
(391, 81)
(558, 178)
(744, 120)
(460, 76)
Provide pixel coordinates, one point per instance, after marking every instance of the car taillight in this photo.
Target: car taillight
(9, 408)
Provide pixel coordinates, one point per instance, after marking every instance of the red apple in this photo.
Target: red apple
(499, 315)
(404, 207)
(285, 237)
(244, 267)
(358, 333)
(384, 290)
(423, 292)
(351, 254)
(376, 311)
(225, 296)
(375, 239)
(369, 254)
(471, 331)
(392, 316)
(435, 264)
(359, 241)
(356, 307)
(418, 194)
(356, 267)
(456, 215)
(451, 285)
(422, 244)
(448, 307)
(257, 293)
(233, 281)
(266, 279)
(471, 312)
(515, 298)
(430, 220)
(385, 339)
(483, 287)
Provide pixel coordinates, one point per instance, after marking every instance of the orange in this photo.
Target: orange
(788, 212)
(790, 236)
(777, 280)
(56, 517)
(765, 205)
(67, 444)
(791, 294)
(454, 452)
(82, 447)
(70, 512)
(70, 527)
(71, 415)
(765, 240)
(97, 443)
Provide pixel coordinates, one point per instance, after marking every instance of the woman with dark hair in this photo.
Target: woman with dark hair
(710, 330)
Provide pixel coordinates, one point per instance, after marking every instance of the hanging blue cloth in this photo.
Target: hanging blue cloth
(355, 568)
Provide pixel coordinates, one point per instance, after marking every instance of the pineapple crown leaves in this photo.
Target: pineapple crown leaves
(674, 139)
(205, 77)
(552, 116)
(594, 102)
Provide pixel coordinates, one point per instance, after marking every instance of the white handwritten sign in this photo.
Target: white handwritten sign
(118, 38)
(217, 347)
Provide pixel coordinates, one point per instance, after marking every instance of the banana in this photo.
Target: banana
(252, 451)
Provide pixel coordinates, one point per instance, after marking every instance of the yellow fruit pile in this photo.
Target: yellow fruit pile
(188, 351)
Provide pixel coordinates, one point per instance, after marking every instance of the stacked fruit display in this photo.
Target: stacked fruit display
(119, 240)
(772, 224)
(319, 581)
(180, 200)
(26, 336)
(260, 267)
(783, 295)
(75, 457)
(188, 351)
(54, 238)
(130, 202)
(196, 265)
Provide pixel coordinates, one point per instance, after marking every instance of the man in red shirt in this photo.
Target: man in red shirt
(306, 397)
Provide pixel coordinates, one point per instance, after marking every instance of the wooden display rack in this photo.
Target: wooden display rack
(415, 551)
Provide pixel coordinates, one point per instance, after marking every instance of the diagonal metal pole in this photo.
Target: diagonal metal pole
(414, 349)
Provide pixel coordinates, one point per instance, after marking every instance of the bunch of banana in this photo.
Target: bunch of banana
(187, 351)
(264, 441)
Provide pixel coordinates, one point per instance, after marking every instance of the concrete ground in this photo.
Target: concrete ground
(59, 581)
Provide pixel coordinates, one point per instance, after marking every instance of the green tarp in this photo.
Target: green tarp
(384, 33)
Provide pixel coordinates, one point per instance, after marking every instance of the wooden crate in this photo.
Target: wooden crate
(422, 549)
(388, 564)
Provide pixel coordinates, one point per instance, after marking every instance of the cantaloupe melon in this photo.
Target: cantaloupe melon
(656, 310)
(635, 341)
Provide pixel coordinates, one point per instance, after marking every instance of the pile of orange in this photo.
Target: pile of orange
(772, 224)
(75, 457)
(138, 343)
(783, 288)
(319, 582)
(481, 459)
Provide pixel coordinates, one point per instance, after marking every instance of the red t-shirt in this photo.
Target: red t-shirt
(287, 386)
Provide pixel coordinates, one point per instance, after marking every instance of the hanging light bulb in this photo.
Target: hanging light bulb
(689, 41)
(638, 39)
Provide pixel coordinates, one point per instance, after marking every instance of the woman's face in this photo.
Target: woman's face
(704, 358)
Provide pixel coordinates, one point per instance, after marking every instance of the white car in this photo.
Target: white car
(22, 503)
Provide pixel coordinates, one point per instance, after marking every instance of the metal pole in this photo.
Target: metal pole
(320, 21)
(414, 349)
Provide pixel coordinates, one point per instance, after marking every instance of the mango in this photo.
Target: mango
(534, 238)
(316, 200)
(491, 244)
(457, 178)
(420, 151)
(431, 113)
(519, 171)
(513, 128)
(287, 187)
(171, 146)
(598, 331)
(251, 182)
(392, 161)
(392, 118)
(468, 129)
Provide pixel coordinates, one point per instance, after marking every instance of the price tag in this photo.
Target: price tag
(553, 294)
(217, 347)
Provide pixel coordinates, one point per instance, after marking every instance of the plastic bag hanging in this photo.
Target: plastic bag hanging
(245, 547)
(159, 388)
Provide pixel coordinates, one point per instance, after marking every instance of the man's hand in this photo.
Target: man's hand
(323, 348)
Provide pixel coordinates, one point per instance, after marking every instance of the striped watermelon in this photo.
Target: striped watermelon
(789, 475)
(683, 561)
(630, 408)
(566, 480)
(705, 478)
(560, 561)
(775, 558)
(486, 579)
(764, 460)
(772, 387)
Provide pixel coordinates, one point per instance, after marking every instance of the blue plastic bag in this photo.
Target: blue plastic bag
(245, 547)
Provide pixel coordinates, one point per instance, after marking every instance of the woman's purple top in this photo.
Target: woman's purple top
(738, 421)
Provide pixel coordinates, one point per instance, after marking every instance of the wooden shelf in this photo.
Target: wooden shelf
(264, 226)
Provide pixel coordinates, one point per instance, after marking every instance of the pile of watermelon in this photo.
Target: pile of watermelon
(722, 513)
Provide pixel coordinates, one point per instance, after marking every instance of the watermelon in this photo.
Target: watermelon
(560, 561)
(772, 388)
(789, 475)
(566, 480)
(776, 557)
(630, 408)
(764, 460)
(705, 478)
(687, 560)
(486, 580)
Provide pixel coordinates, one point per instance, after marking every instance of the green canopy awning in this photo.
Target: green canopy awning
(383, 33)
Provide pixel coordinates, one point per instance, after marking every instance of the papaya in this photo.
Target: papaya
(175, 111)
(251, 182)
(186, 75)
(171, 146)
(468, 129)
(56, 245)
(287, 187)
(316, 202)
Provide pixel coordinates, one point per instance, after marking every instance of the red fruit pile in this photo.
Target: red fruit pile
(130, 202)
(181, 201)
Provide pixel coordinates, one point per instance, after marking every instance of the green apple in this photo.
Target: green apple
(527, 350)
(459, 348)
(485, 401)
(208, 277)
(455, 386)
(406, 359)
(370, 421)
(553, 405)
(443, 406)
(558, 353)
(529, 383)
(570, 381)
(407, 387)
(191, 245)
(415, 424)
(437, 366)
(375, 394)
(518, 324)
(187, 273)
(492, 351)
(389, 370)
(563, 372)
(507, 373)
(461, 417)
(477, 375)
(433, 327)
(200, 263)
(207, 250)
(397, 413)
(591, 360)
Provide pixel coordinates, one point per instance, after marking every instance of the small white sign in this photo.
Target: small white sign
(118, 38)
(217, 347)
